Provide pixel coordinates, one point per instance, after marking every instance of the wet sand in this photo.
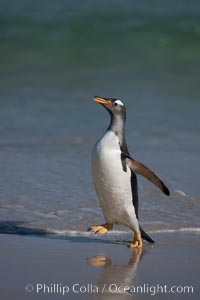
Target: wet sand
(35, 267)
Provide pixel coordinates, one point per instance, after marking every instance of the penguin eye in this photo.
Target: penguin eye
(118, 103)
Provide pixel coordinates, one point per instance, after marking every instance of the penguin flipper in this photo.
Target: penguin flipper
(145, 236)
(143, 170)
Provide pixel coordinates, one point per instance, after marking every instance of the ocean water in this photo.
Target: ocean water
(54, 57)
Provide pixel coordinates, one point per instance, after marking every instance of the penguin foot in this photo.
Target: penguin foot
(101, 229)
(137, 242)
(100, 261)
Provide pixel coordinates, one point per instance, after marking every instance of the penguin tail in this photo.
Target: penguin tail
(145, 236)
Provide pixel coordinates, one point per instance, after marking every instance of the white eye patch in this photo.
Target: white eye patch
(119, 102)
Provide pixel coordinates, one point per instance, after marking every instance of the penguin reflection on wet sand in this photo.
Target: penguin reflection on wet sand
(115, 181)
(114, 278)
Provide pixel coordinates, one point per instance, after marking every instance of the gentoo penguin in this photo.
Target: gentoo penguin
(113, 172)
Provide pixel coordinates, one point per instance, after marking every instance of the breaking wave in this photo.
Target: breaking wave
(19, 228)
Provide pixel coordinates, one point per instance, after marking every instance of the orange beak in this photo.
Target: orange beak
(102, 101)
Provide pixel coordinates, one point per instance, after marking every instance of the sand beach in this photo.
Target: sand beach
(34, 267)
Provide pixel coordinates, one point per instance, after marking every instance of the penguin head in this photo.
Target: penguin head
(114, 106)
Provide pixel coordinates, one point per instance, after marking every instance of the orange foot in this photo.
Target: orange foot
(100, 261)
(101, 229)
(137, 242)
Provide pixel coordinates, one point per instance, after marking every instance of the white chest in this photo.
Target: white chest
(112, 183)
(106, 158)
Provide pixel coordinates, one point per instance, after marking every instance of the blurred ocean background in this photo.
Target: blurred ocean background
(54, 57)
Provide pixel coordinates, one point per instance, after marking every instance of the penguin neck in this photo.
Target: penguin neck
(117, 125)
